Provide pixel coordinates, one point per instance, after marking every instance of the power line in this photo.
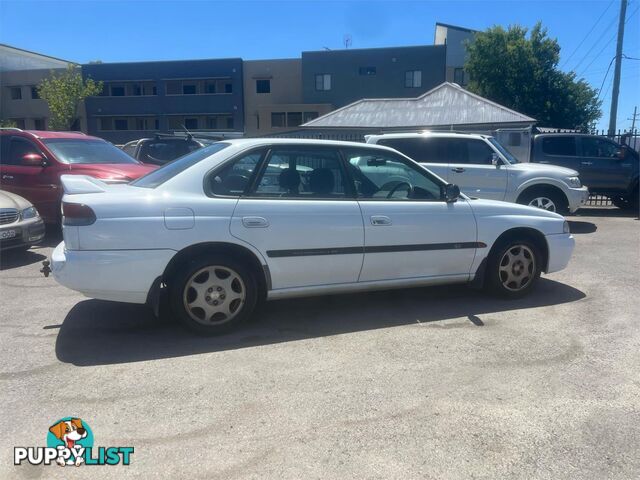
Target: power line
(588, 33)
(597, 42)
(605, 77)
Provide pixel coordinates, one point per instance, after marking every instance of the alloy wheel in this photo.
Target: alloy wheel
(544, 203)
(214, 295)
(517, 268)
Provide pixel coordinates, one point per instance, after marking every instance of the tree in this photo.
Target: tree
(63, 92)
(522, 73)
(8, 124)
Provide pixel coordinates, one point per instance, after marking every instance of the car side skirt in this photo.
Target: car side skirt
(337, 288)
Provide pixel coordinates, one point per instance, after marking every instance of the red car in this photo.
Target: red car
(31, 163)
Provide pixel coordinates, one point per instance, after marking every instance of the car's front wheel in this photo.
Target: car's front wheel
(213, 294)
(513, 268)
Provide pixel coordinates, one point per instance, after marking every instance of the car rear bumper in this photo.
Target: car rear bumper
(26, 232)
(577, 198)
(117, 275)
(560, 249)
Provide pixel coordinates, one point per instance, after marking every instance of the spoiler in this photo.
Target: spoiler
(76, 184)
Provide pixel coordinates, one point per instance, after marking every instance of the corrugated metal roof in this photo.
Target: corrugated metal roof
(446, 104)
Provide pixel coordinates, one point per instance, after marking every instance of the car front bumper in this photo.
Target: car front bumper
(117, 275)
(560, 249)
(23, 233)
(577, 198)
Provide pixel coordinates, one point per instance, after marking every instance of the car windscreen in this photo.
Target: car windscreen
(171, 169)
(506, 153)
(72, 150)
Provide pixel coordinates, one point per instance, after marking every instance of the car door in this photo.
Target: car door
(301, 214)
(601, 164)
(471, 168)
(36, 183)
(410, 231)
(561, 150)
(426, 150)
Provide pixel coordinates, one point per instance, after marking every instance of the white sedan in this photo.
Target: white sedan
(229, 225)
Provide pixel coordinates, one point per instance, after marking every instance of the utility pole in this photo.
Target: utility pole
(633, 119)
(616, 75)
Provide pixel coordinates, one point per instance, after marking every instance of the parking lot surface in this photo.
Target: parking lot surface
(422, 383)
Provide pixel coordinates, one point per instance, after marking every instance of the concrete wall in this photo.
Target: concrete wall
(12, 58)
(349, 84)
(163, 106)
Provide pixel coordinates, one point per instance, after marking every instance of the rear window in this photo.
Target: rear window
(71, 150)
(171, 169)
(559, 146)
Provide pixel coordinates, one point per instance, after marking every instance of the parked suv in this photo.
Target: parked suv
(606, 167)
(162, 149)
(483, 168)
(31, 163)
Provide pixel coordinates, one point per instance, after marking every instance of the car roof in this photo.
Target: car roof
(49, 134)
(428, 134)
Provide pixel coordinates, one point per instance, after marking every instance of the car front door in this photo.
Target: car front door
(471, 168)
(601, 165)
(410, 231)
(37, 183)
(301, 214)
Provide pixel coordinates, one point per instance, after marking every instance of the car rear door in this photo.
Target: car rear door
(409, 235)
(471, 168)
(426, 150)
(301, 214)
(601, 166)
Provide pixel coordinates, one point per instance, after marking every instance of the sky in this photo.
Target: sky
(116, 31)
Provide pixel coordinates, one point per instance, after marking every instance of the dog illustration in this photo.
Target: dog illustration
(69, 431)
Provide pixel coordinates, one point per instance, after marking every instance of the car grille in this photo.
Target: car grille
(8, 215)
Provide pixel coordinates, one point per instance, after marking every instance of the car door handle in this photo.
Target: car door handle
(255, 222)
(457, 169)
(586, 163)
(380, 220)
(7, 177)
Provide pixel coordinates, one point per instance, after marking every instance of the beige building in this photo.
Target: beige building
(273, 97)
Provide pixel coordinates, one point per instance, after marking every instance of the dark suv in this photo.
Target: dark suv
(162, 149)
(605, 166)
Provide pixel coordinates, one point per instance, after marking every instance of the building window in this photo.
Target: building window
(173, 88)
(121, 124)
(413, 79)
(189, 88)
(143, 88)
(367, 71)
(16, 93)
(458, 76)
(323, 81)
(34, 94)
(294, 119)
(39, 123)
(20, 123)
(308, 116)
(106, 123)
(191, 123)
(278, 119)
(263, 86)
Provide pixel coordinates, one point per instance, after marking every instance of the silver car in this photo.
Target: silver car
(20, 222)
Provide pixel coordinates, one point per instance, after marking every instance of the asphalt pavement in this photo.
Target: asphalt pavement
(438, 383)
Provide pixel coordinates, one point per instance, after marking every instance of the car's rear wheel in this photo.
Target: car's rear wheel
(513, 268)
(213, 294)
(627, 202)
(545, 199)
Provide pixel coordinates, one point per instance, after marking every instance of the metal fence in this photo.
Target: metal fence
(598, 201)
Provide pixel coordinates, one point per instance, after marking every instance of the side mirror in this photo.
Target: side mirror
(451, 192)
(33, 160)
(495, 160)
(622, 153)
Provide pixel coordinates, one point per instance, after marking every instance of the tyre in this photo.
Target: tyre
(545, 198)
(627, 202)
(513, 268)
(213, 294)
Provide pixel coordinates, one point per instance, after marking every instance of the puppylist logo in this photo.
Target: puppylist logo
(70, 442)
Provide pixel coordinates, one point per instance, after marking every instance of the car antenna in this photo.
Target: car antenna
(189, 134)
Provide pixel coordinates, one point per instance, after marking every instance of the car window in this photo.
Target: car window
(18, 148)
(234, 178)
(171, 169)
(72, 150)
(302, 173)
(478, 152)
(383, 175)
(559, 146)
(130, 149)
(165, 151)
(599, 147)
(421, 149)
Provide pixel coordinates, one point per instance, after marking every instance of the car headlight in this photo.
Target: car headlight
(574, 182)
(30, 212)
(566, 228)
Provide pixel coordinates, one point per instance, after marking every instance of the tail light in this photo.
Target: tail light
(77, 214)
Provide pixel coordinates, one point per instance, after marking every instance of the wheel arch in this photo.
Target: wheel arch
(542, 186)
(525, 233)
